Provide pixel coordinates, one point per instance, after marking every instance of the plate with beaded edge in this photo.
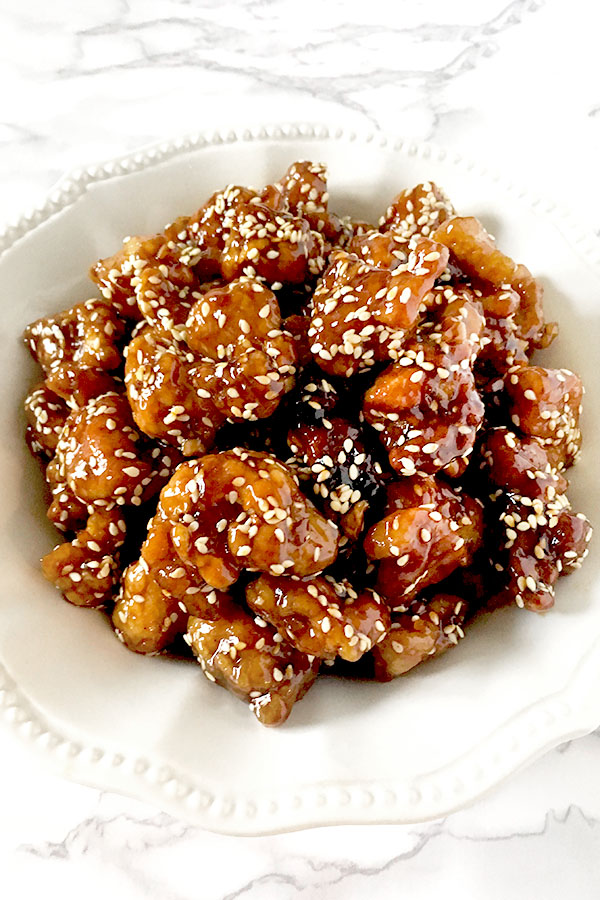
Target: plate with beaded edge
(351, 752)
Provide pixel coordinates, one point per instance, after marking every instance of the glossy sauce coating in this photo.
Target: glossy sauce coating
(360, 312)
(86, 569)
(352, 448)
(77, 349)
(428, 531)
(546, 404)
(417, 210)
(423, 631)
(425, 407)
(250, 659)
(320, 616)
(476, 253)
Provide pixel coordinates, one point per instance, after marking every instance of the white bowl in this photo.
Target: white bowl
(156, 729)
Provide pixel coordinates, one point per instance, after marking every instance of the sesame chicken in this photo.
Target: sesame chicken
(538, 536)
(97, 454)
(417, 210)
(428, 530)
(521, 464)
(282, 440)
(164, 383)
(303, 192)
(77, 349)
(250, 659)
(87, 570)
(425, 406)
(542, 541)
(546, 404)
(422, 631)
(239, 327)
(319, 615)
(46, 413)
(475, 252)
(276, 246)
(236, 365)
(239, 510)
(361, 313)
(156, 598)
(118, 275)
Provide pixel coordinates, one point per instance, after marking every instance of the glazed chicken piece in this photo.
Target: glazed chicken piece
(46, 414)
(417, 211)
(428, 530)
(546, 404)
(425, 407)
(424, 630)
(78, 349)
(536, 536)
(87, 569)
(237, 364)
(320, 616)
(250, 659)
(361, 313)
(475, 252)
(239, 510)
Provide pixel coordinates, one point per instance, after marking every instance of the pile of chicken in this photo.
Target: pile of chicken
(290, 439)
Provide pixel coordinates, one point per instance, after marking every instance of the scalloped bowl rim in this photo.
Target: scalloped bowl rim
(568, 713)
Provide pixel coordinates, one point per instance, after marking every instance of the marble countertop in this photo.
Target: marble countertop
(511, 82)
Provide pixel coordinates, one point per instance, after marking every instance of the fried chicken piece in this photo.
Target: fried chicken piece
(199, 240)
(98, 456)
(476, 253)
(118, 275)
(417, 210)
(320, 616)
(425, 630)
(543, 540)
(247, 657)
(165, 293)
(535, 537)
(237, 365)
(501, 346)
(239, 327)
(46, 414)
(303, 192)
(425, 407)
(164, 382)
(78, 349)
(153, 607)
(428, 531)
(360, 313)
(546, 404)
(520, 464)
(86, 570)
(279, 247)
(240, 510)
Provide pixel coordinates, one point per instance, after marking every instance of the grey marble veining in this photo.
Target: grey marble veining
(505, 81)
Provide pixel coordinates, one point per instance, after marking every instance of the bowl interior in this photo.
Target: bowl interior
(93, 691)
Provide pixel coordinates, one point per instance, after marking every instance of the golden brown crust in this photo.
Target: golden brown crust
(391, 362)
(250, 659)
(320, 616)
(425, 630)
(429, 531)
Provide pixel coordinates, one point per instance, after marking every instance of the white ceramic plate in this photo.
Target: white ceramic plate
(351, 753)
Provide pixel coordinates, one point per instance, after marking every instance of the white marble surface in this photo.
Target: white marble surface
(514, 82)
